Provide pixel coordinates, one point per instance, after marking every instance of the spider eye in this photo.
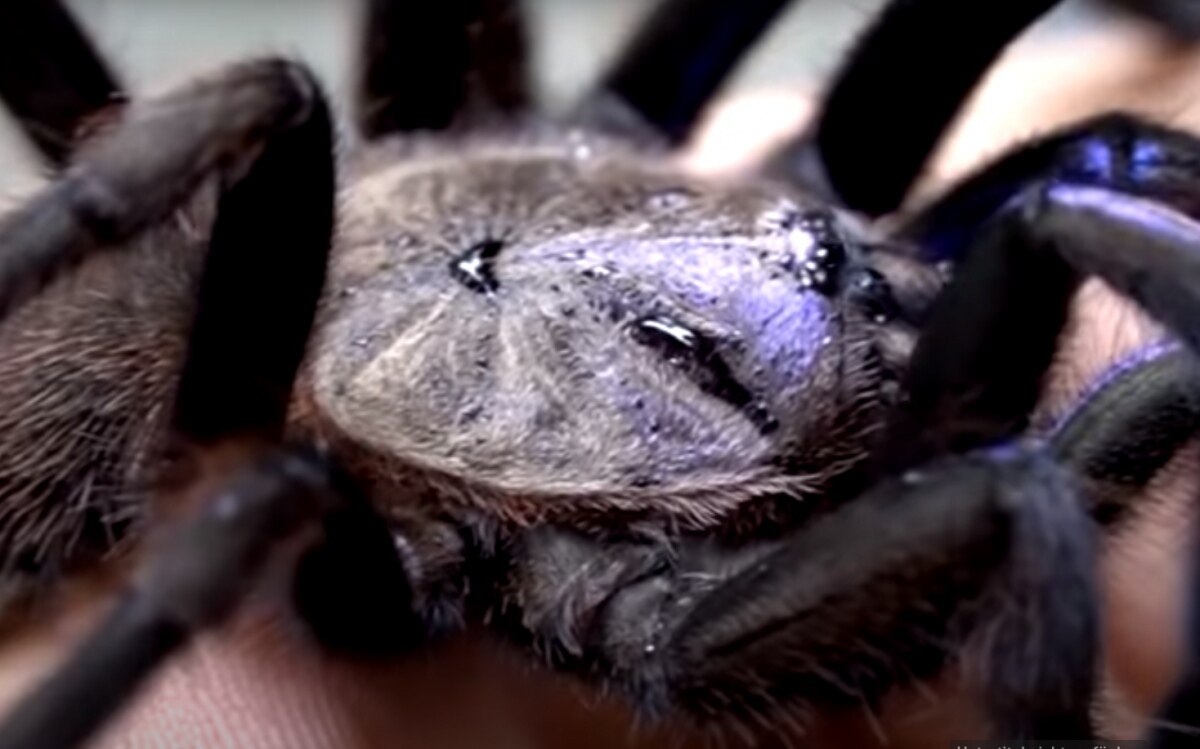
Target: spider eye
(678, 343)
(824, 258)
(475, 268)
(873, 294)
(696, 354)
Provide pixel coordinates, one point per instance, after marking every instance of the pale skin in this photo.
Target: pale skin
(259, 684)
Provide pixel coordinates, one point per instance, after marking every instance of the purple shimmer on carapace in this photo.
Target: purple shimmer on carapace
(741, 285)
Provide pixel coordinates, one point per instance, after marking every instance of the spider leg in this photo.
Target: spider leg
(990, 550)
(51, 78)
(264, 131)
(1093, 200)
(895, 96)
(431, 65)
(1129, 428)
(976, 374)
(1114, 207)
(674, 64)
(112, 191)
(128, 327)
(194, 581)
(274, 222)
(1112, 150)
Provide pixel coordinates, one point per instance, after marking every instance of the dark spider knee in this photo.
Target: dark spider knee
(415, 593)
(565, 582)
(1030, 642)
(607, 607)
(294, 83)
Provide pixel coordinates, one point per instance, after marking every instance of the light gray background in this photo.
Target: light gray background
(155, 43)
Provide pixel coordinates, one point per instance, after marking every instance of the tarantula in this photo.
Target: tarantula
(735, 451)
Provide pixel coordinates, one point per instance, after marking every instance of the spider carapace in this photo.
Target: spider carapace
(549, 335)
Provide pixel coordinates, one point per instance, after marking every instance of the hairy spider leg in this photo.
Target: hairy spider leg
(977, 369)
(51, 77)
(1129, 427)
(193, 582)
(674, 64)
(896, 94)
(266, 130)
(113, 193)
(433, 65)
(263, 274)
(1110, 199)
(991, 550)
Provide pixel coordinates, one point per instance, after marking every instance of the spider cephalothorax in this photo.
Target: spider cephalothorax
(556, 331)
(733, 450)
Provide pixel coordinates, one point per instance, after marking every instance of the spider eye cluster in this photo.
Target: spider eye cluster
(821, 252)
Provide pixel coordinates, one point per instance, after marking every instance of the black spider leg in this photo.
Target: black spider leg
(708, 629)
(194, 582)
(879, 593)
(895, 96)
(118, 187)
(976, 369)
(674, 65)
(1129, 428)
(431, 65)
(51, 78)
(976, 373)
(265, 129)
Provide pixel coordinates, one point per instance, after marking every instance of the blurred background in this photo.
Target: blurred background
(156, 43)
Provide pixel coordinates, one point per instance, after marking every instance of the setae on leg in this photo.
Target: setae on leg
(264, 131)
(989, 553)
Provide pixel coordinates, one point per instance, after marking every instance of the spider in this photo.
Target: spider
(737, 452)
